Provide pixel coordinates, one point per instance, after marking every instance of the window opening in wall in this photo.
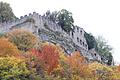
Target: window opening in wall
(86, 45)
(77, 29)
(77, 39)
(38, 30)
(95, 54)
(81, 32)
(83, 43)
(80, 41)
(75, 49)
(72, 35)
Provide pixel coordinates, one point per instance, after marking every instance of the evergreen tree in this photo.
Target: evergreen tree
(65, 20)
(6, 13)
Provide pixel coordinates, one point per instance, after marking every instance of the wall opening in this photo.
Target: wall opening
(38, 30)
(80, 41)
(81, 32)
(72, 35)
(83, 44)
(77, 29)
(95, 54)
(77, 39)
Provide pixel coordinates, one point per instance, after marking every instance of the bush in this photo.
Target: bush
(48, 55)
(78, 64)
(7, 48)
(103, 72)
(23, 39)
(12, 68)
(2, 34)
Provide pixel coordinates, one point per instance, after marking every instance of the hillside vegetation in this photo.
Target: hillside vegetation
(23, 56)
(46, 61)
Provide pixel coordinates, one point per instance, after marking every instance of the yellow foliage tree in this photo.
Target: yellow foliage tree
(23, 39)
(12, 68)
(103, 72)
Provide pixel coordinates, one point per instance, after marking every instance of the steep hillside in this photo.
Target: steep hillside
(46, 30)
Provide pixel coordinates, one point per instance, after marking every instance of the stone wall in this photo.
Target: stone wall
(49, 31)
(42, 22)
(78, 37)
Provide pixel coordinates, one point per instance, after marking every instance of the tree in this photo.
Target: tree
(78, 64)
(104, 49)
(12, 68)
(7, 48)
(23, 39)
(65, 20)
(6, 13)
(48, 55)
(90, 40)
(102, 72)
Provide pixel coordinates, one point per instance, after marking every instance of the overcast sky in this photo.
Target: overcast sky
(99, 17)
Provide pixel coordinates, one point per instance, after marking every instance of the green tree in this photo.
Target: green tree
(65, 20)
(102, 47)
(90, 40)
(6, 13)
(104, 50)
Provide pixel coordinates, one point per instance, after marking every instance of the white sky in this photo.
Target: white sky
(99, 17)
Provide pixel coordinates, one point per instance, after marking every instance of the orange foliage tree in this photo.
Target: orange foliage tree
(49, 55)
(78, 64)
(7, 48)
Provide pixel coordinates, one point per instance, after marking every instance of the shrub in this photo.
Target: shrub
(23, 39)
(78, 64)
(7, 48)
(2, 34)
(12, 68)
(103, 72)
(49, 55)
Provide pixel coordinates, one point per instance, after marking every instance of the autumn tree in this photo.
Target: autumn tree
(12, 68)
(78, 64)
(23, 39)
(6, 13)
(7, 48)
(49, 55)
(103, 72)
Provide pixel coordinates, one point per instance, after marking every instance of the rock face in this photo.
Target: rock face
(48, 31)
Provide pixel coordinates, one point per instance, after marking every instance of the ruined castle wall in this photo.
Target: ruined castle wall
(6, 26)
(40, 22)
(78, 37)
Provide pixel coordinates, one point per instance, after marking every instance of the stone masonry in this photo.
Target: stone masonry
(52, 32)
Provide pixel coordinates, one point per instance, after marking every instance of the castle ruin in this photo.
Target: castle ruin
(41, 26)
